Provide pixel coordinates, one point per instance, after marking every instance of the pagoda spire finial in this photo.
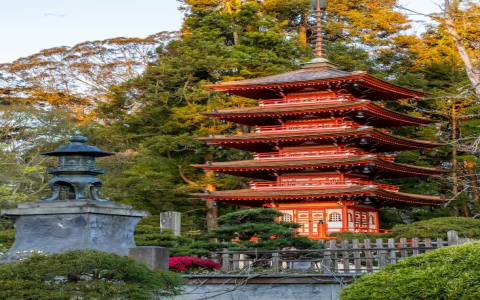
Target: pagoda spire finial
(319, 60)
(319, 4)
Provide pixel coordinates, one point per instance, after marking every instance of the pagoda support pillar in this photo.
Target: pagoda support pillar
(344, 217)
(377, 222)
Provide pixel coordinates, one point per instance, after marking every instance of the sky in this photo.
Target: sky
(28, 26)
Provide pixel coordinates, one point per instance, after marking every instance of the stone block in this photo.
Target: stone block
(54, 227)
(153, 256)
(171, 220)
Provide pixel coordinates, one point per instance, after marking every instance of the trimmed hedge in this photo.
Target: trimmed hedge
(438, 227)
(449, 273)
(84, 274)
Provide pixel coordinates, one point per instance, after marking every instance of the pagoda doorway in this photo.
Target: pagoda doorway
(313, 223)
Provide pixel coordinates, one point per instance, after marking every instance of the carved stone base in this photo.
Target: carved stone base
(65, 225)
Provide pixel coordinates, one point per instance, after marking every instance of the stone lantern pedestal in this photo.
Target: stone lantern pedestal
(54, 227)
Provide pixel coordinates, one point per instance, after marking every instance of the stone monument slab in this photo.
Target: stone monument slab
(171, 220)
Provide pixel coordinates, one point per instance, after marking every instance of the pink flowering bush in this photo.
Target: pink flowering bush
(186, 263)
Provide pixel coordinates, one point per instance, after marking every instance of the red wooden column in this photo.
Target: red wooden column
(377, 221)
(344, 217)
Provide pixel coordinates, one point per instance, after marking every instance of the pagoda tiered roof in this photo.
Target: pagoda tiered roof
(374, 114)
(258, 198)
(265, 169)
(377, 140)
(315, 77)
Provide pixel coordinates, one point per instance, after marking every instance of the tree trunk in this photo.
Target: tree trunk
(212, 211)
(473, 183)
(454, 159)
(302, 30)
(461, 48)
(236, 40)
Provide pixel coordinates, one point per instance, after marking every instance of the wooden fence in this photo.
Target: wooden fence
(337, 257)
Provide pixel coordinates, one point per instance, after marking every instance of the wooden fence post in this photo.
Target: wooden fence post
(327, 262)
(235, 261)
(275, 261)
(346, 257)
(368, 255)
(452, 238)
(357, 260)
(382, 254)
(415, 244)
(225, 262)
(428, 243)
(403, 244)
(393, 253)
(439, 243)
(334, 264)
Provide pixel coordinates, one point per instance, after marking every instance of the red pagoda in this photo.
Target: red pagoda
(317, 143)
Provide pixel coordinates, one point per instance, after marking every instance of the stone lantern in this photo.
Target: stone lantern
(76, 171)
(75, 217)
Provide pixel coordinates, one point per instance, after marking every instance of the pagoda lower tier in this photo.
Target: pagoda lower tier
(365, 137)
(364, 112)
(323, 211)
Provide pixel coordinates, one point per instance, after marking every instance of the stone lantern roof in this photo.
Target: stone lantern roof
(78, 147)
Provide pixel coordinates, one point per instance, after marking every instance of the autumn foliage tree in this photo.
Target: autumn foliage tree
(78, 77)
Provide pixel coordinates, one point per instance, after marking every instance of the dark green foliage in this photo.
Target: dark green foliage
(349, 58)
(84, 274)
(146, 235)
(449, 273)
(254, 229)
(7, 237)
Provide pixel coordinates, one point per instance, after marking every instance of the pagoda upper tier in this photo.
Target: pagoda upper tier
(318, 76)
(364, 112)
(365, 137)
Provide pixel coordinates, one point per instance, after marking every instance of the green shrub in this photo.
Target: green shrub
(449, 273)
(438, 227)
(251, 229)
(84, 274)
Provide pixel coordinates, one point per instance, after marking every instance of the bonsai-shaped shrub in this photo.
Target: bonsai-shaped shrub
(253, 229)
(84, 274)
(187, 263)
(449, 273)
